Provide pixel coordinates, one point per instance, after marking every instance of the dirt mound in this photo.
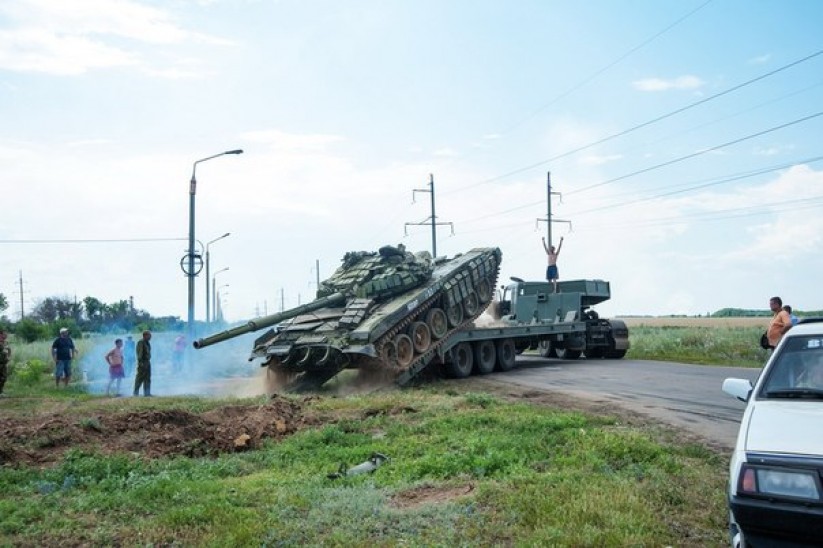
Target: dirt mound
(149, 433)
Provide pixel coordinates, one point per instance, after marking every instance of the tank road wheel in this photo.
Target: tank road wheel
(437, 322)
(484, 291)
(485, 355)
(421, 336)
(454, 314)
(388, 353)
(405, 350)
(303, 356)
(505, 354)
(460, 365)
(470, 305)
(566, 354)
(546, 349)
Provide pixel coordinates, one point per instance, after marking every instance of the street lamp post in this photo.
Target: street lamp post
(208, 277)
(214, 290)
(190, 259)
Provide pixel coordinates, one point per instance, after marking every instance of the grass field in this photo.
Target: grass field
(466, 468)
(684, 321)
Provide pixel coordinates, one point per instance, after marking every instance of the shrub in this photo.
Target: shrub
(30, 372)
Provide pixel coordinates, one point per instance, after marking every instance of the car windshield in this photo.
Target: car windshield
(797, 372)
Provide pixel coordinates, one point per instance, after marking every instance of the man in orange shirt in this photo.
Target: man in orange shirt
(781, 322)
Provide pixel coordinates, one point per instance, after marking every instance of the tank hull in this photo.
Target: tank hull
(379, 332)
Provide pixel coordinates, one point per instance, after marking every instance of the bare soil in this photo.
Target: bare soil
(42, 440)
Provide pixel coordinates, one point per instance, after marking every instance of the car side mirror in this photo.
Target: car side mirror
(739, 388)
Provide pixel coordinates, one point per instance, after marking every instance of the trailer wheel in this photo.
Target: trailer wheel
(454, 314)
(485, 356)
(615, 354)
(546, 349)
(437, 322)
(506, 354)
(566, 354)
(421, 336)
(595, 353)
(460, 365)
(405, 350)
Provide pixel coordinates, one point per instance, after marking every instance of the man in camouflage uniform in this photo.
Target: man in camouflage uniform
(143, 351)
(5, 358)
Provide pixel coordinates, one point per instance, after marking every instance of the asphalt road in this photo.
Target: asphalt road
(684, 395)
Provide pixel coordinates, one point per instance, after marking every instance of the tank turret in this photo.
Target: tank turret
(388, 310)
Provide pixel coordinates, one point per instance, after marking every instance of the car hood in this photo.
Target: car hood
(785, 427)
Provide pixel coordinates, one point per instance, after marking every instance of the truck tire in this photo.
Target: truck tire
(460, 365)
(546, 349)
(566, 354)
(595, 353)
(506, 354)
(615, 354)
(485, 356)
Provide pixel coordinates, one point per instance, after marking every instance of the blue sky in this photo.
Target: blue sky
(683, 138)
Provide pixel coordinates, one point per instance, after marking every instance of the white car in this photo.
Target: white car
(775, 488)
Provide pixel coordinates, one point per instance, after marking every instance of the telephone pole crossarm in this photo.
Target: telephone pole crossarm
(432, 219)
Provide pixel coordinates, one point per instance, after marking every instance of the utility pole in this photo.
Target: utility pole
(548, 220)
(22, 311)
(432, 219)
(282, 300)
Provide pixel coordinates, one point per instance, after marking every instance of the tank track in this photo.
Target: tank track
(406, 374)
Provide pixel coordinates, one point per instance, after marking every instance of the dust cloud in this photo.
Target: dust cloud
(221, 370)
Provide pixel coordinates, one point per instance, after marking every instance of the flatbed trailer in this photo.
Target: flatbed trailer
(531, 315)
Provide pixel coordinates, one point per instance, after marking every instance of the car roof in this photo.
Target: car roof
(807, 326)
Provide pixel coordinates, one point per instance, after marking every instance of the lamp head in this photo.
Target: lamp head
(238, 151)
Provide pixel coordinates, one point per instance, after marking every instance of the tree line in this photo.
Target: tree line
(89, 315)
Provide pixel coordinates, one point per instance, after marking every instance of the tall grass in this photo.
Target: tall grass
(721, 345)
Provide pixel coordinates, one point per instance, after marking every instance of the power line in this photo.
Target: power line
(698, 153)
(644, 124)
(605, 68)
(704, 184)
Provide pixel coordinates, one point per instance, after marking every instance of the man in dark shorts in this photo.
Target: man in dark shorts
(63, 352)
(552, 273)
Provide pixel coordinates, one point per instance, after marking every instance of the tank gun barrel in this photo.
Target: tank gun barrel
(268, 321)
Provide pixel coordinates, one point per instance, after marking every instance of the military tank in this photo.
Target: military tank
(386, 311)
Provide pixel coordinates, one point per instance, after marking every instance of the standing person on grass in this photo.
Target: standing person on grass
(114, 358)
(63, 352)
(143, 377)
(5, 358)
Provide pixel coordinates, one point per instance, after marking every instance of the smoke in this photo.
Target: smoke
(221, 370)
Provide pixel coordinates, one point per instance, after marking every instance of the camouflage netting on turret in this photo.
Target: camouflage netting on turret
(390, 271)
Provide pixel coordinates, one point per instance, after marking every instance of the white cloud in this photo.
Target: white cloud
(446, 152)
(687, 82)
(281, 140)
(760, 59)
(72, 38)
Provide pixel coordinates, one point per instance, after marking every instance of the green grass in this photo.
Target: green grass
(516, 474)
(720, 345)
